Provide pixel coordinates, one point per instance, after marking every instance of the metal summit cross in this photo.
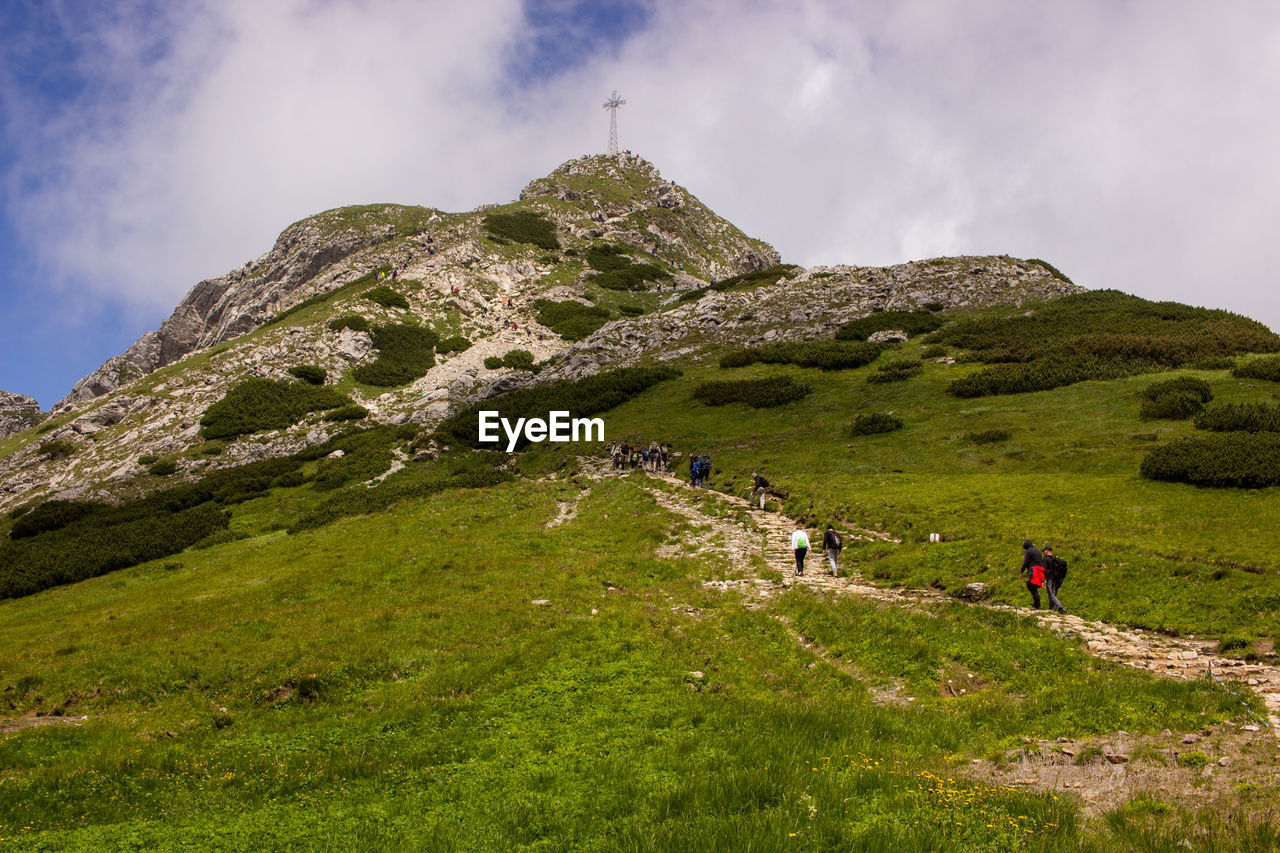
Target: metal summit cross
(612, 106)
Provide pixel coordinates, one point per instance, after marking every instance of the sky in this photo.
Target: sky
(146, 145)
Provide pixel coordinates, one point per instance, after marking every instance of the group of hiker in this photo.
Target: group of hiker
(626, 456)
(1043, 569)
(1040, 566)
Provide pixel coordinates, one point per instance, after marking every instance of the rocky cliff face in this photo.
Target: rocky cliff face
(223, 308)
(17, 412)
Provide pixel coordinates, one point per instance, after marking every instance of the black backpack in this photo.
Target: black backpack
(1056, 568)
(835, 538)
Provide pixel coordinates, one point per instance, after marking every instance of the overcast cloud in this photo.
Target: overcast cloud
(1132, 144)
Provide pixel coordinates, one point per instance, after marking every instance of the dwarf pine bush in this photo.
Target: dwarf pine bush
(911, 322)
(256, 404)
(570, 319)
(1237, 459)
(874, 423)
(523, 227)
(756, 393)
(405, 353)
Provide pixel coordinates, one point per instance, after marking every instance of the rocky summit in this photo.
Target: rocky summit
(602, 263)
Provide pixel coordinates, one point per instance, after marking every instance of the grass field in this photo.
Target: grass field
(388, 682)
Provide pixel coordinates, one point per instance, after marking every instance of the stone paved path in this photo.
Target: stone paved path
(749, 531)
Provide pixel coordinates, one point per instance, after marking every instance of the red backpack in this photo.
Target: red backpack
(1036, 575)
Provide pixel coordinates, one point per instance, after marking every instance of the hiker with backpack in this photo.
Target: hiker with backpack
(758, 487)
(1033, 570)
(1055, 572)
(833, 545)
(800, 546)
(694, 469)
(704, 470)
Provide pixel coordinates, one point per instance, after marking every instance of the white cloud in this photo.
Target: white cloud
(1130, 144)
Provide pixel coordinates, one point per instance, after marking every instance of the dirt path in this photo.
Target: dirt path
(742, 530)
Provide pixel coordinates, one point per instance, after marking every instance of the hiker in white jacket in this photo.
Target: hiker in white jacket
(800, 545)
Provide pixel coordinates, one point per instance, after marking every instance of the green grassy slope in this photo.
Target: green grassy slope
(387, 682)
(1166, 556)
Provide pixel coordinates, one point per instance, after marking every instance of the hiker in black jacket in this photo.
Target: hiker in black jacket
(758, 486)
(833, 545)
(1055, 572)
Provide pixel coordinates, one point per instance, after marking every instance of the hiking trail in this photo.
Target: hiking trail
(768, 535)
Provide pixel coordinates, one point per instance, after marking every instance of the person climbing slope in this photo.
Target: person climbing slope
(800, 545)
(1033, 570)
(758, 486)
(833, 545)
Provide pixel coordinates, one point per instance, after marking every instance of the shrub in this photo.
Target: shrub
(1038, 376)
(366, 454)
(989, 436)
(1261, 368)
(51, 515)
(911, 322)
(59, 448)
(312, 374)
(163, 468)
(1111, 327)
(353, 412)
(743, 281)
(453, 343)
(896, 370)
(1240, 459)
(148, 458)
(385, 296)
(219, 537)
(405, 352)
(874, 424)
(757, 393)
(362, 281)
(1171, 405)
(630, 277)
(1190, 384)
(493, 362)
(630, 310)
(519, 359)
(570, 319)
(1216, 363)
(1240, 417)
(259, 404)
(523, 227)
(582, 397)
(935, 306)
(350, 321)
(827, 355)
(933, 351)
(289, 480)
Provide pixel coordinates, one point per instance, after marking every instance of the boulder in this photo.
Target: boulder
(973, 592)
(888, 336)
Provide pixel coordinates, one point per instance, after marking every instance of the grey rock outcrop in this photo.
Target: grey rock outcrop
(219, 309)
(17, 412)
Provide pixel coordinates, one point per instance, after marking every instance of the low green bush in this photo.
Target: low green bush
(353, 412)
(385, 296)
(453, 343)
(1171, 405)
(219, 537)
(1215, 363)
(493, 362)
(58, 448)
(256, 404)
(312, 374)
(163, 468)
(1240, 417)
(874, 423)
(148, 458)
(523, 227)
(583, 397)
(757, 393)
(51, 515)
(827, 355)
(518, 359)
(1259, 368)
(570, 319)
(742, 281)
(897, 370)
(405, 353)
(630, 310)
(1040, 375)
(1189, 384)
(1237, 459)
(989, 436)
(350, 321)
(366, 454)
(933, 351)
(911, 322)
